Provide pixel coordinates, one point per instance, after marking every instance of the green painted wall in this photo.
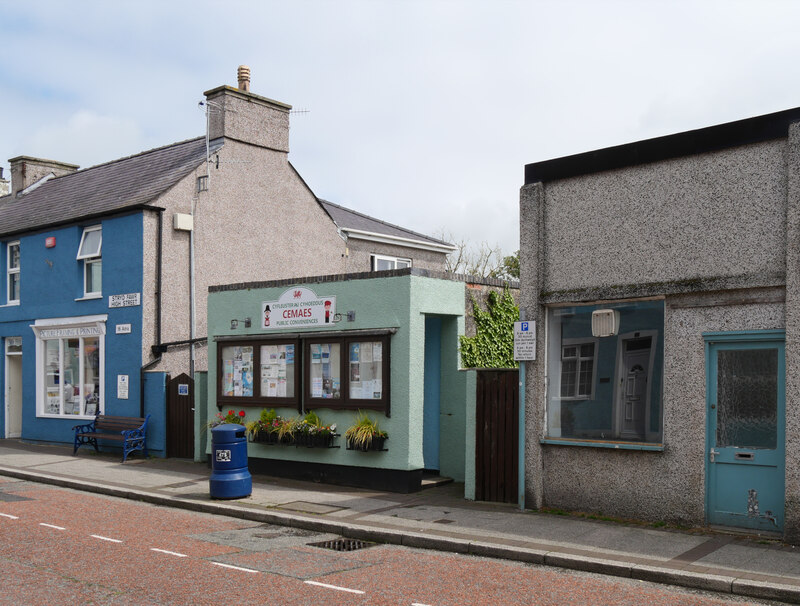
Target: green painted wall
(470, 384)
(399, 303)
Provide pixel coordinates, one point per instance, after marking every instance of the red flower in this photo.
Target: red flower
(241, 413)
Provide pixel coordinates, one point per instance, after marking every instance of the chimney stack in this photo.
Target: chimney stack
(26, 170)
(244, 78)
(236, 113)
(5, 186)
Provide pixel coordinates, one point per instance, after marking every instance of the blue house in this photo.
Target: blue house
(105, 271)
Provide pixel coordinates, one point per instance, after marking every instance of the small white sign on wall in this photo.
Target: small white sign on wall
(123, 329)
(122, 387)
(130, 299)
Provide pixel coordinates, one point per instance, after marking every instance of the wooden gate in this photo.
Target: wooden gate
(180, 417)
(497, 439)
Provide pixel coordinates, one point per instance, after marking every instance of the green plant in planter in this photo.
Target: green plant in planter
(287, 429)
(365, 434)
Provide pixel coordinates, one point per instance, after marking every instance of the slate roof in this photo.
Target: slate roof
(130, 182)
(348, 219)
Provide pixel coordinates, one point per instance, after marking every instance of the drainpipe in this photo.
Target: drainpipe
(521, 431)
(159, 267)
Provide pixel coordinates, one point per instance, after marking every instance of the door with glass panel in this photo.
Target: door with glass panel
(745, 454)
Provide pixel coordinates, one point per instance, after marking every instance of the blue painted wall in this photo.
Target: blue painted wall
(51, 279)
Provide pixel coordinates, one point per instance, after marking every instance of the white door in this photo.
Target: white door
(634, 378)
(13, 395)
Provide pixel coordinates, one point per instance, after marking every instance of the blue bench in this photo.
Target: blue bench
(131, 431)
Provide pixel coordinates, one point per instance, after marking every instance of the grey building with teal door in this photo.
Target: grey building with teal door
(664, 278)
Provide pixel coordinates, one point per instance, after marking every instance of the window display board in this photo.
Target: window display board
(258, 373)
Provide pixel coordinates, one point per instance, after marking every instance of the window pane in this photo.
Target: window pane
(569, 352)
(91, 375)
(568, 368)
(747, 398)
(403, 263)
(92, 241)
(277, 371)
(326, 381)
(585, 378)
(71, 375)
(52, 383)
(587, 350)
(13, 287)
(381, 264)
(237, 371)
(366, 370)
(13, 256)
(94, 276)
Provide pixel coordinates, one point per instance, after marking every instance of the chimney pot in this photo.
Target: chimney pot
(243, 74)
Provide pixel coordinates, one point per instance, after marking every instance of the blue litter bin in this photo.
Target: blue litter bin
(230, 478)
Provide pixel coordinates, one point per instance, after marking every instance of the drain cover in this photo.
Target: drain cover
(343, 544)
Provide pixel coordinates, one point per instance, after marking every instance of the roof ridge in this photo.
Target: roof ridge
(371, 218)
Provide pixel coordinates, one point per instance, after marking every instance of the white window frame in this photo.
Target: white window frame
(12, 271)
(393, 260)
(577, 343)
(61, 329)
(90, 258)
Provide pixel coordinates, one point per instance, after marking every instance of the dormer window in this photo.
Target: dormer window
(12, 271)
(89, 252)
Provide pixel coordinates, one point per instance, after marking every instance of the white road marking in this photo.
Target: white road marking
(172, 553)
(52, 526)
(102, 538)
(334, 587)
(235, 567)
(418, 604)
(6, 515)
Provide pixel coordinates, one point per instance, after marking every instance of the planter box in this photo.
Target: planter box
(376, 445)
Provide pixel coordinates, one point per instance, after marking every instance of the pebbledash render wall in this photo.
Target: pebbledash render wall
(359, 252)
(257, 218)
(712, 234)
(398, 300)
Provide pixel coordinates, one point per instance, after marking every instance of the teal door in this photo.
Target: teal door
(745, 399)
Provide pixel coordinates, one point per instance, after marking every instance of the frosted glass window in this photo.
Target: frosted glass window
(747, 398)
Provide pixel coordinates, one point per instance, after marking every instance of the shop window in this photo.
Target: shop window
(12, 272)
(382, 262)
(70, 370)
(259, 373)
(605, 388)
(90, 252)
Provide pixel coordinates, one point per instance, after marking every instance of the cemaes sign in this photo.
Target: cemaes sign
(296, 308)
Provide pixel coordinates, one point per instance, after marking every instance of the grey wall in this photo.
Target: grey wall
(711, 216)
(709, 234)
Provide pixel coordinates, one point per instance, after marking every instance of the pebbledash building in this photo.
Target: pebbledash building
(664, 277)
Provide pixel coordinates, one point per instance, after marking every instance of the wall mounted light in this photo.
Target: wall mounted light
(235, 323)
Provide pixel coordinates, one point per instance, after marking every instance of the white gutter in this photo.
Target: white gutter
(357, 234)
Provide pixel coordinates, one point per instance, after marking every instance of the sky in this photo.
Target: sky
(420, 113)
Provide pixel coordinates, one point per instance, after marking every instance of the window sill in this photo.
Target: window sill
(66, 417)
(654, 447)
(11, 304)
(91, 297)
